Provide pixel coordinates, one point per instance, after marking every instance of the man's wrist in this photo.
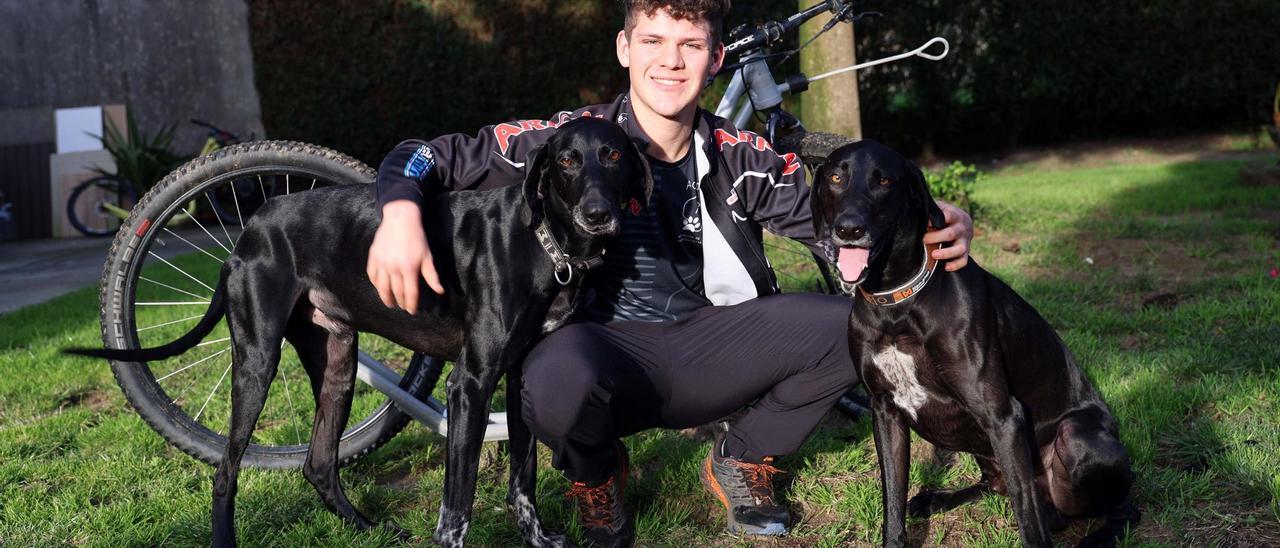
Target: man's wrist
(401, 210)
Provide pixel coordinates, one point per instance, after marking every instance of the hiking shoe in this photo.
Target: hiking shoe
(604, 519)
(746, 490)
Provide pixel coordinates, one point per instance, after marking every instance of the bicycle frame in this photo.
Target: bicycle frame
(429, 412)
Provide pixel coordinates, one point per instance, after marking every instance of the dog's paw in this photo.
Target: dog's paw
(921, 505)
(551, 541)
(398, 532)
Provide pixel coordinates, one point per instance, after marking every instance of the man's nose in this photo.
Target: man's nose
(671, 57)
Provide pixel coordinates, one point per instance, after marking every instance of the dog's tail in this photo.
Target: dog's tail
(217, 308)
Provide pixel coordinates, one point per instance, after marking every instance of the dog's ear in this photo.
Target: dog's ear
(642, 172)
(920, 191)
(815, 203)
(535, 183)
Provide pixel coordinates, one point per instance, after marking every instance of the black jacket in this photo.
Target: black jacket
(745, 186)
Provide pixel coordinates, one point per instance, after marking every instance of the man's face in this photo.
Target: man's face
(669, 61)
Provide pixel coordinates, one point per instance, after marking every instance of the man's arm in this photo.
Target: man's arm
(495, 157)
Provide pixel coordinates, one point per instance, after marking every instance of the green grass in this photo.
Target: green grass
(1173, 316)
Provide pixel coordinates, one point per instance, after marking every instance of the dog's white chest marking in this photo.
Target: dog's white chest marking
(899, 371)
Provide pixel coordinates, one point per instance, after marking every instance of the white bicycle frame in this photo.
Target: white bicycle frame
(432, 414)
(756, 80)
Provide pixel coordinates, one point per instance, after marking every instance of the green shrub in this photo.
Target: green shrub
(955, 183)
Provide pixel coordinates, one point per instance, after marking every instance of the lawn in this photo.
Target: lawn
(1158, 277)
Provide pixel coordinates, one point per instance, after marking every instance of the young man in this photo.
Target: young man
(684, 327)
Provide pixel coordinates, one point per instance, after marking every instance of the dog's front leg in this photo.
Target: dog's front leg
(893, 448)
(524, 467)
(474, 378)
(1006, 426)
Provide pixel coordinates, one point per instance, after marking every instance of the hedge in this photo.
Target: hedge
(360, 75)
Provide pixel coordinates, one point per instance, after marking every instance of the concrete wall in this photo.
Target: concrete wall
(169, 60)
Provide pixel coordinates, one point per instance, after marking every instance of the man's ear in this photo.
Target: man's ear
(623, 46)
(642, 173)
(535, 183)
(920, 191)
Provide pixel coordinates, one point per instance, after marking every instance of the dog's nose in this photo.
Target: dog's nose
(596, 215)
(850, 231)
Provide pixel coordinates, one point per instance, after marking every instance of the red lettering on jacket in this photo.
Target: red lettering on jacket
(505, 131)
(724, 138)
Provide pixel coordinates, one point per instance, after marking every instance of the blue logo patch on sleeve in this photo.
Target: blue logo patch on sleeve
(420, 163)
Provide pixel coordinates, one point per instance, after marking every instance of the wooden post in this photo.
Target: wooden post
(832, 104)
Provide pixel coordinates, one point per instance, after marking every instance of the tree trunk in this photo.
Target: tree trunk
(832, 104)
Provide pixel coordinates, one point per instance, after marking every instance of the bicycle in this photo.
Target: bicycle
(148, 296)
(98, 206)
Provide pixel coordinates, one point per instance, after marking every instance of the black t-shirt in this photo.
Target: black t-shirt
(653, 269)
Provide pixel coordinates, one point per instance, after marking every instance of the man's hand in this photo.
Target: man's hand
(959, 232)
(399, 257)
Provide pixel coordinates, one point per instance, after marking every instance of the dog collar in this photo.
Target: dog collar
(909, 289)
(564, 261)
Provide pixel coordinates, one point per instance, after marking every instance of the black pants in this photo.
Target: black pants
(588, 384)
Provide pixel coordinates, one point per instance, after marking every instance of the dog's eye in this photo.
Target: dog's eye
(886, 181)
(566, 161)
(836, 178)
(614, 156)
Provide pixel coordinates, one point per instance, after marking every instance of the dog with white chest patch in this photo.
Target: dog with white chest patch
(964, 361)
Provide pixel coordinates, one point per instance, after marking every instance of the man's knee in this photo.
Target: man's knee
(560, 382)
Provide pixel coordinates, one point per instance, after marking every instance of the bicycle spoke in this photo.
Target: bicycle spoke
(197, 362)
(214, 391)
(286, 184)
(207, 196)
(293, 413)
(173, 303)
(206, 231)
(313, 184)
(183, 291)
(236, 198)
(184, 272)
(196, 317)
(263, 188)
(207, 343)
(194, 246)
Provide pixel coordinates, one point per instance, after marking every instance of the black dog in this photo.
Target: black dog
(963, 360)
(500, 254)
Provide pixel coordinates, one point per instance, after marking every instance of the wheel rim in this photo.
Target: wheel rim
(167, 290)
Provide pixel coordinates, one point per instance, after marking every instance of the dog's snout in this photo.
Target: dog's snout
(596, 213)
(850, 231)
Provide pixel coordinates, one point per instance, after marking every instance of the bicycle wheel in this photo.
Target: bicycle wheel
(241, 198)
(157, 283)
(87, 206)
(798, 268)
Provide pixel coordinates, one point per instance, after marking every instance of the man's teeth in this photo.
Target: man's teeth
(667, 82)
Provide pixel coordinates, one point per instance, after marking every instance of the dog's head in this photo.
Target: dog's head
(864, 198)
(584, 175)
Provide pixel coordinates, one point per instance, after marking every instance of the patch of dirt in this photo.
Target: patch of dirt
(96, 400)
(399, 478)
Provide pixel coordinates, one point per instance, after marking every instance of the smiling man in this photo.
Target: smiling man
(685, 325)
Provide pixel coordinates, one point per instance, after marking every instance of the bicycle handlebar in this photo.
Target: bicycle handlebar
(773, 31)
(223, 136)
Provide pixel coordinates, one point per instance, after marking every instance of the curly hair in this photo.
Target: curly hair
(711, 11)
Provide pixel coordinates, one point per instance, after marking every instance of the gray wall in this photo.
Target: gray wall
(170, 60)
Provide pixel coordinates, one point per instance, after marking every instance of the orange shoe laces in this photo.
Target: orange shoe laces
(759, 479)
(595, 504)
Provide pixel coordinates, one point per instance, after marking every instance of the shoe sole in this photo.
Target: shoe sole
(709, 481)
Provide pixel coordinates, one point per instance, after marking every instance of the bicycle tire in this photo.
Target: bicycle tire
(814, 147)
(145, 229)
(111, 187)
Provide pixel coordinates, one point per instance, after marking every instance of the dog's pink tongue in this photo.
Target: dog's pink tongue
(852, 261)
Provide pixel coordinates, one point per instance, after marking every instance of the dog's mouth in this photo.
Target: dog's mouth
(849, 258)
(606, 228)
